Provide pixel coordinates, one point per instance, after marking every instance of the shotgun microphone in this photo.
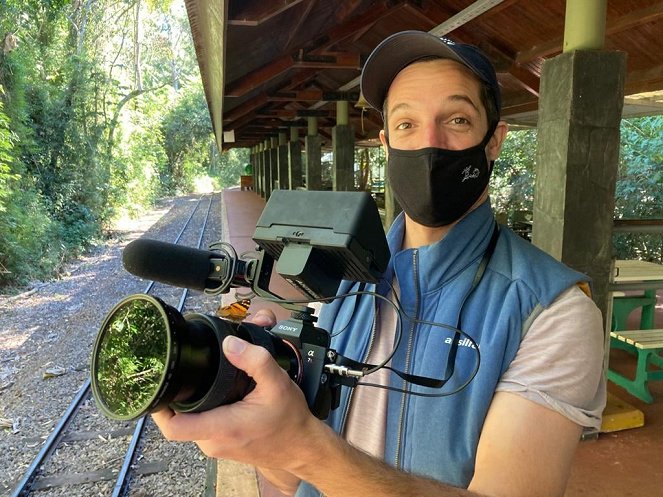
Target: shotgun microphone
(177, 265)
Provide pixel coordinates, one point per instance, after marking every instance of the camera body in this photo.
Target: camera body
(320, 388)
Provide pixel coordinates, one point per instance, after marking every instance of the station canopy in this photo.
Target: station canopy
(268, 65)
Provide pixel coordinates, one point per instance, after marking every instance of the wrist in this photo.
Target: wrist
(319, 445)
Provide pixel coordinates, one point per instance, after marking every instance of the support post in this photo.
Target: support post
(274, 163)
(343, 144)
(284, 175)
(313, 144)
(267, 157)
(580, 107)
(294, 160)
(584, 25)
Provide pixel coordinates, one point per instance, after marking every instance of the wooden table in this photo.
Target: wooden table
(636, 272)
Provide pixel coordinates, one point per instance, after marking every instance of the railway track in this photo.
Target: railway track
(120, 464)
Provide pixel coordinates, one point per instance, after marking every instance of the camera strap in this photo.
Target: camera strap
(451, 358)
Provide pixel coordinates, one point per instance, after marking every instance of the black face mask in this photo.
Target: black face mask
(435, 186)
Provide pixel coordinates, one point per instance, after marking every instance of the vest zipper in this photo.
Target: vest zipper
(371, 342)
(408, 357)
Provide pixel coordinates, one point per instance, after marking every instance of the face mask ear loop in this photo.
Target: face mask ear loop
(486, 139)
(385, 129)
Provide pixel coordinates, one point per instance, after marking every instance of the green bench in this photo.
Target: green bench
(623, 305)
(647, 344)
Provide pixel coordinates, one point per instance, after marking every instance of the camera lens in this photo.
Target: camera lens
(147, 355)
(130, 357)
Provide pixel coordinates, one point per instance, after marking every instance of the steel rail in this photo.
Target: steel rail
(123, 475)
(23, 487)
(52, 441)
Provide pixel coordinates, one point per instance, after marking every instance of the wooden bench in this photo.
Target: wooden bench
(245, 182)
(647, 344)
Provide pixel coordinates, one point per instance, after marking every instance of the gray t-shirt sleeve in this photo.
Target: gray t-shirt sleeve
(560, 363)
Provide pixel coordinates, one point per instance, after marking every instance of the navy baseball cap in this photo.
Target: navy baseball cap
(402, 49)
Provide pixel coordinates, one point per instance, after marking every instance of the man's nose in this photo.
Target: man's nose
(433, 136)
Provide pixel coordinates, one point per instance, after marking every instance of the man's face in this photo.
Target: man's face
(436, 103)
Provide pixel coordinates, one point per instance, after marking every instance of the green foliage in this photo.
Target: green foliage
(98, 122)
(230, 166)
(7, 139)
(639, 189)
(512, 182)
(187, 134)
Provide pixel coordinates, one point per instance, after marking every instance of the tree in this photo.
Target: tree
(639, 189)
(512, 182)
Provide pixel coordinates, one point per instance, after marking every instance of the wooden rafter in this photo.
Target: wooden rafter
(257, 18)
(629, 21)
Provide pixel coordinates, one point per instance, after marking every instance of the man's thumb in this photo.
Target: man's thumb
(252, 359)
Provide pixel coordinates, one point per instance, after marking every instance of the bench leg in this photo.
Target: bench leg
(638, 385)
(647, 316)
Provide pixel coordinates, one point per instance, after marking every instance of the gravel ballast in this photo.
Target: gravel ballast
(46, 337)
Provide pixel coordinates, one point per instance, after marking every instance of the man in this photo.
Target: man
(505, 426)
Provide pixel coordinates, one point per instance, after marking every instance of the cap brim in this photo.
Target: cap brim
(394, 54)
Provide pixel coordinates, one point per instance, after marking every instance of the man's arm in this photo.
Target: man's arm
(523, 448)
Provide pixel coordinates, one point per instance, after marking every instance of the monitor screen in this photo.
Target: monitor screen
(319, 238)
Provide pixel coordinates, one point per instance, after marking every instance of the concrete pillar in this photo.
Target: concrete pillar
(267, 174)
(284, 175)
(580, 107)
(274, 163)
(261, 171)
(343, 146)
(312, 146)
(294, 160)
(256, 164)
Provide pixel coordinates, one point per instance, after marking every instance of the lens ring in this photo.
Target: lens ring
(299, 376)
(160, 380)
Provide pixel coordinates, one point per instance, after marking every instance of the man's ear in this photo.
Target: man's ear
(496, 141)
(385, 142)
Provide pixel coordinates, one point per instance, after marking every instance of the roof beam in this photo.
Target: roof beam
(644, 80)
(329, 60)
(293, 113)
(314, 96)
(257, 18)
(259, 77)
(629, 21)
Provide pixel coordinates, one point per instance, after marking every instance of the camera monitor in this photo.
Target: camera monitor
(320, 238)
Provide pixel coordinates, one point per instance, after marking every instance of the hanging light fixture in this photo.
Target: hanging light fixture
(363, 105)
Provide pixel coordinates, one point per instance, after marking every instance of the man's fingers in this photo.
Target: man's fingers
(254, 360)
(264, 317)
(184, 427)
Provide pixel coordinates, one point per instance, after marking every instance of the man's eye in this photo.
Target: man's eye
(403, 126)
(460, 121)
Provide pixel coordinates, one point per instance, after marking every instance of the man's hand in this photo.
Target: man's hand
(268, 428)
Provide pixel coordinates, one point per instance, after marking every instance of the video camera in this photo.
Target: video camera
(147, 355)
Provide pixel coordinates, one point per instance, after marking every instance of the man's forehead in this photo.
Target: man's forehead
(455, 84)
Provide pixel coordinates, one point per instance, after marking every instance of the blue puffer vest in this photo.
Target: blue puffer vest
(438, 436)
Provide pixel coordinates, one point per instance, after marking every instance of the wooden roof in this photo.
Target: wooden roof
(268, 64)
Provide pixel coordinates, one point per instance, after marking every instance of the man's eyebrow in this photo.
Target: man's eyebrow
(459, 97)
(464, 98)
